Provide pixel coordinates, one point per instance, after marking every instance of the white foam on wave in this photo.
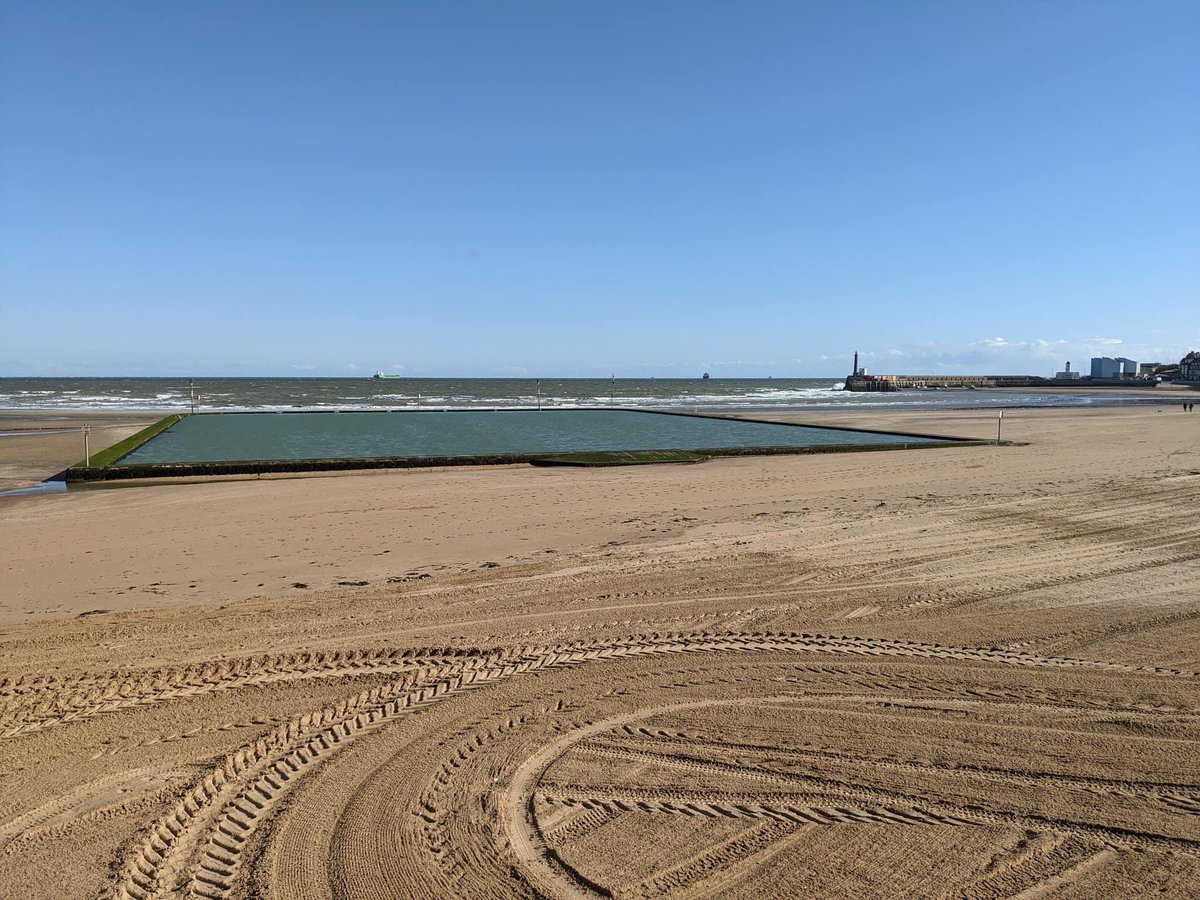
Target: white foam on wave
(632, 394)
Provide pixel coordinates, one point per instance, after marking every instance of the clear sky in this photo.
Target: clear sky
(571, 188)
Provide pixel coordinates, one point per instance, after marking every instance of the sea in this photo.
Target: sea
(364, 393)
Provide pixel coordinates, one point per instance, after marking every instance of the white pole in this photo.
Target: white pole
(87, 453)
(192, 389)
(999, 422)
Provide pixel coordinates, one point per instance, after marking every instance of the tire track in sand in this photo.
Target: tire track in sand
(46, 704)
(216, 818)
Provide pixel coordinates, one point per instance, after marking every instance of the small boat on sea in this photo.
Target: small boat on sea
(380, 374)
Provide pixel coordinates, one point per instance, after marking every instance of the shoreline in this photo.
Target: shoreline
(1168, 386)
(796, 392)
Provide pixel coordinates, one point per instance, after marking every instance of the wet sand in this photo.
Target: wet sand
(965, 671)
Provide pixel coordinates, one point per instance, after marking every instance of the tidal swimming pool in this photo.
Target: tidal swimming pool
(245, 437)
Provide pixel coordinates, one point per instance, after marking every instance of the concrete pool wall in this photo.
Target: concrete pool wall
(208, 444)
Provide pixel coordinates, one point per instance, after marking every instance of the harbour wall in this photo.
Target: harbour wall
(892, 383)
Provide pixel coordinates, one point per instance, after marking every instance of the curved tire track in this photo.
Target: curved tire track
(217, 817)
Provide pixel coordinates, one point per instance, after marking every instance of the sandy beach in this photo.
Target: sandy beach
(946, 672)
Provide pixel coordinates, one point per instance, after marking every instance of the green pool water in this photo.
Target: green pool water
(228, 437)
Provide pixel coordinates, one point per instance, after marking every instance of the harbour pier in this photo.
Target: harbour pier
(866, 382)
(859, 380)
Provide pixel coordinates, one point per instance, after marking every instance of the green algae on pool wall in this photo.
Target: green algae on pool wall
(121, 449)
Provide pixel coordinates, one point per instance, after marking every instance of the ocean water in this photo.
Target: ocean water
(273, 394)
(317, 435)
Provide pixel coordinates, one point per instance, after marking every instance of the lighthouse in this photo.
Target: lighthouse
(1066, 374)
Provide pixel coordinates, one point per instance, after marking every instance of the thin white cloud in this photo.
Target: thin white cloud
(733, 363)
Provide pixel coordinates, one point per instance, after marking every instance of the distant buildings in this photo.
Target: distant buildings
(1106, 372)
(1107, 367)
(1189, 367)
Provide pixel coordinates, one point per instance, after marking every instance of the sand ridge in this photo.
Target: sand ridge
(968, 672)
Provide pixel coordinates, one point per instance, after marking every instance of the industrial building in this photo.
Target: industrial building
(1107, 367)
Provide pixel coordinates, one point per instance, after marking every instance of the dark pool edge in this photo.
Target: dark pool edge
(352, 464)
(734, 417)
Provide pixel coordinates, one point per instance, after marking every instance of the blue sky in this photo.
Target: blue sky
(548, 188)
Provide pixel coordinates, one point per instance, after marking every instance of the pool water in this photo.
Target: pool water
(228, 437)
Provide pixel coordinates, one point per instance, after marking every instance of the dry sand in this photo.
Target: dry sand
(966, 672)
